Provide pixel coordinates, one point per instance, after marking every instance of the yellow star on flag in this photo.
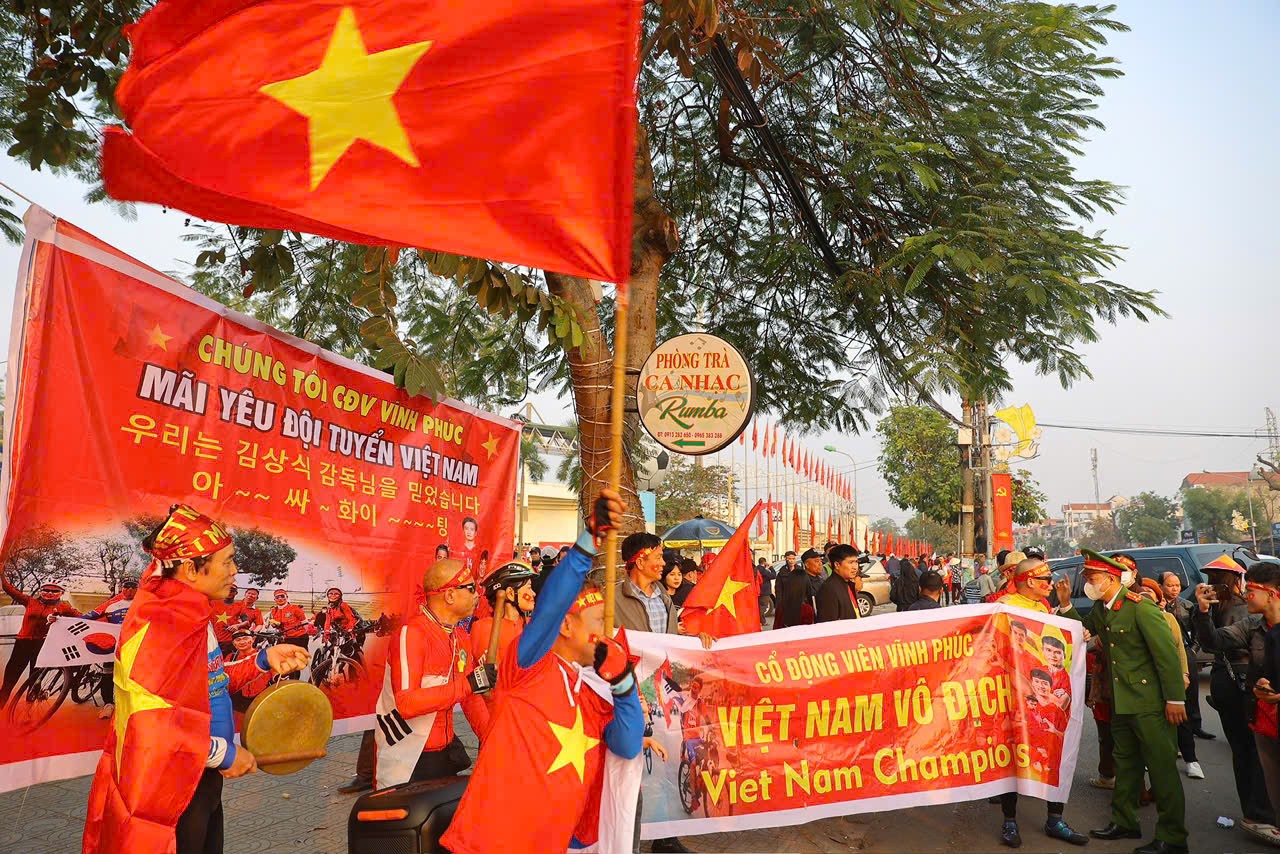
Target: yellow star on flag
(131, 697)
(725, 599)
(224, 618)
(574, 744)
(491, 446)
(349, 97)
(158, 339)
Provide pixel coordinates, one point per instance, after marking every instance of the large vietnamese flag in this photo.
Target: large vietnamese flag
(503, 129)
(726, 599)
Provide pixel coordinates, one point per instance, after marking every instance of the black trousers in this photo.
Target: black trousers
(446, 762)
(23, 656)
(1009, 805)
(1251, 785)
(1194, 720)
(199, 829)
(108, 685)
(1106, 750)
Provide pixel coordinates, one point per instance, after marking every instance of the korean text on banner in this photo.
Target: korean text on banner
(882, 713)
(131, 392)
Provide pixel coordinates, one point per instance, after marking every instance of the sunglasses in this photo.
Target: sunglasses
(470, 588)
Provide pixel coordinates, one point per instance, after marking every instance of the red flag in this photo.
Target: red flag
(829, 532)
(742, 438)
(373, 122)
(866, 538)
(156, 750)
(754, 436)
(773, 442)
(795, 527)
(726, 599)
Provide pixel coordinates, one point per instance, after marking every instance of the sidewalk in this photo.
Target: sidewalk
(303, 811)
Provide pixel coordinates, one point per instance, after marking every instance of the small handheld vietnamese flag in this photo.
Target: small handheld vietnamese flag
(726, 599)
(495, 130)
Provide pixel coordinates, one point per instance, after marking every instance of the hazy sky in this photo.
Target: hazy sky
(1192, 133)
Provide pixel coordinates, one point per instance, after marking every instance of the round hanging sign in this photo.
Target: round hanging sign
(695, 394)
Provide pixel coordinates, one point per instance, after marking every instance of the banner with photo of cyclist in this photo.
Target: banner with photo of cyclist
(129, 392)
(898, 710)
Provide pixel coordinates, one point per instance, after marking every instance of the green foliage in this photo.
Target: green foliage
(920, 463)
(689, 490)
(1150, 520)
(943, 537)
(1028, 499)
(887, 525)
(535, 465)
(264, 557)
(1102, 535)
(1208, 512)
(936, 142)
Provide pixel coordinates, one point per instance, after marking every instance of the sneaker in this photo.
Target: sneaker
(107, 711)
(1194, 771)
(1056, 828)
(1103, 782)
(1009, 834)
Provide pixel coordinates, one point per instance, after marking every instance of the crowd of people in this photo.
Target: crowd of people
(524, 653)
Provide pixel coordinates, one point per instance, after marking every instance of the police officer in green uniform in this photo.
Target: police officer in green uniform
(1148, 700)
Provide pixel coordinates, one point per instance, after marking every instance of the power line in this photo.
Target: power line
(1159, 431)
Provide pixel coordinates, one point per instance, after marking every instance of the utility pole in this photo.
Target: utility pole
(982, 435)
(1097, 493)
(964, 441)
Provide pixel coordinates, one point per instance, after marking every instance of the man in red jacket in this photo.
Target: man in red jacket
(158, 787)
(290, 619)
(41, 611)
(566, 697)
(430, 672)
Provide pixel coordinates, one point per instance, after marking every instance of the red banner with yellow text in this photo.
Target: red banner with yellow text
(129, 392)
(892, 711)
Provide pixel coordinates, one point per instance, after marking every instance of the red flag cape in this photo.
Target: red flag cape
(159, 742)
(726, 599)
(499, 130)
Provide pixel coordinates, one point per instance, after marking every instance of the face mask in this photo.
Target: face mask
(1092, 590)
(1126, 577)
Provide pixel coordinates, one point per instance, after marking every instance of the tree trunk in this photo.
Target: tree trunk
(654, 240)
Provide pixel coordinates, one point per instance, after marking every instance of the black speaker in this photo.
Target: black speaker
(406, 819)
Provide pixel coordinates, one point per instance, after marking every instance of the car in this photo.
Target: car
(875, 588)
(1153, 562)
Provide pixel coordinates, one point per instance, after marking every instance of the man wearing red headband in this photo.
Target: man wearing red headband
(430, 671)
(553, 720)
(41, 610)
(158, 786)
(1032, 582)
(1148, 699)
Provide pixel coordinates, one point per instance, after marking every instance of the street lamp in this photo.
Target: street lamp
(831, 449)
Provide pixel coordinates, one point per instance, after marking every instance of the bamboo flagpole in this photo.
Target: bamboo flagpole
(615, 448)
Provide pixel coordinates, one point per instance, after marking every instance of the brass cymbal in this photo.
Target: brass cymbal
(287, 726)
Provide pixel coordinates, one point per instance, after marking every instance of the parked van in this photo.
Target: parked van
(1183, 561)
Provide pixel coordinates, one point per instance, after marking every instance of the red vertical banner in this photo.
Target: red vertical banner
(1002, 511)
